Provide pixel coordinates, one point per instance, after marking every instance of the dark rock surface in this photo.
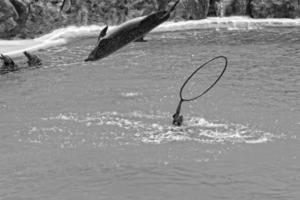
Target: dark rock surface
(195, 9)
(8, 17)
(30, 18)
(275, 8)
(238, 7)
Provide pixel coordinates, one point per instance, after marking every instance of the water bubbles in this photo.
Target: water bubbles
(136, 128)
(130, 94)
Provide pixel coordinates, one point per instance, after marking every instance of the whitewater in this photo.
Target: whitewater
(66, 35)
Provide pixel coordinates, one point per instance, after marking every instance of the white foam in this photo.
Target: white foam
(231, 23)
(136, 128)
(57, 37)
(130, 94)
(64, 35)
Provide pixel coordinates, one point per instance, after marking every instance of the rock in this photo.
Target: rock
(23, 12)
(17, 20)
(274, 8)
(162, 4)
(44, 17)
(14, 17)
(7, 10)
(195, 9)
(8, 16)
(238, 7)
(216, 8)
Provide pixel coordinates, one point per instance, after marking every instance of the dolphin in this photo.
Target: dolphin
(8, 65)
(33, 60)
(127, 32)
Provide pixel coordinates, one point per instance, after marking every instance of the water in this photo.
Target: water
(102, 130)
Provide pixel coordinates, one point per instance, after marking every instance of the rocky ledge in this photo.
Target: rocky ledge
(29, 18)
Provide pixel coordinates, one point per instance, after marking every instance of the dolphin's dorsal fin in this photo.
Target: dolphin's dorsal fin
(25, 53)
(28, 55)
(103, 32)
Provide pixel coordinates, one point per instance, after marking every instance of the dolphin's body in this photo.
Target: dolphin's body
(127, 32)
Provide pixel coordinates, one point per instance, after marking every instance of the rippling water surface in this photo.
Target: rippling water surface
(102, 130)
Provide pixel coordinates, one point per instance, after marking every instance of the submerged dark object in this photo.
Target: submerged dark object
(177, 118)
(127, 32)
(33, 60)
(8, 65)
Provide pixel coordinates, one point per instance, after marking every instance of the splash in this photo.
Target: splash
(65, 35)
(135, 128)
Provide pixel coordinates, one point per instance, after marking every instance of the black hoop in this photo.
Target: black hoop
(212, 85)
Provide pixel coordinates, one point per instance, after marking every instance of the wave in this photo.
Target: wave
(63, 36)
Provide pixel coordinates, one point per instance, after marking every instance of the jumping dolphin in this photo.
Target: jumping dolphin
(127, 32)
(33, 60)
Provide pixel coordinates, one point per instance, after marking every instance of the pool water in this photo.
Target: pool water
(102, 130)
